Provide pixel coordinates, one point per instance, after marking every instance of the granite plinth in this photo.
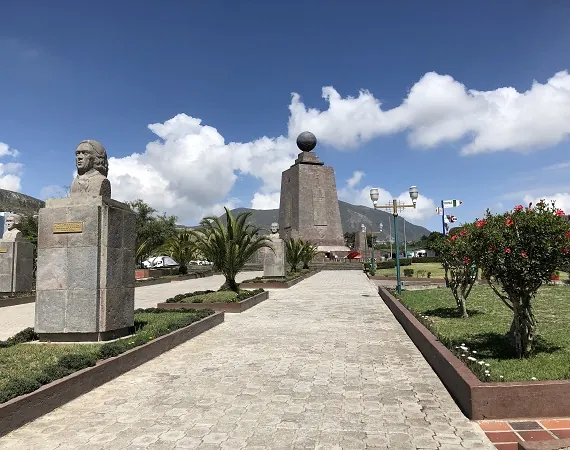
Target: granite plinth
(360, 243)
(85, 283)
(308, 206)
(16, 266)
(274, 261)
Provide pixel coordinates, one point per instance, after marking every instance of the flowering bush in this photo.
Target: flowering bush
(518, 251)
(456, 256)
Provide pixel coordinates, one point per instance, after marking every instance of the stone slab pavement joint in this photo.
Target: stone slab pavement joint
(323, 365)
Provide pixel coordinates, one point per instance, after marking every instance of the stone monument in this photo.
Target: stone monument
(308, 206)
(86, 258)
(16, 259)
(274, 260)
(360, 243)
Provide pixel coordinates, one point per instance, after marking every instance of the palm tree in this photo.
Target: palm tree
(181, 249)
(308, 252)
(293, 252)
(229, 246)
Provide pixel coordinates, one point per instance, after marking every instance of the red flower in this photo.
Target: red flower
(492, 247)
(518, 208)
(466, 260)
(565, 250)
(559, 212)
(509, 222)
(507, 250)
(568, 234)
(480, 223)
(524, 255)
(463, 233)
(453, 237)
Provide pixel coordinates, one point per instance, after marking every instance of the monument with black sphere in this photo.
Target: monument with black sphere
(85, 287)
(308, 206)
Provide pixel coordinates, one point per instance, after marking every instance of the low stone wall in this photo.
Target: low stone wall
(236, 307)
(477, 399)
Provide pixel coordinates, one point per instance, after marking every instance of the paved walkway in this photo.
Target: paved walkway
(16, 318)
(322, 365)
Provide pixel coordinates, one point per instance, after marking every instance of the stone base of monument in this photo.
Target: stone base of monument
(16, 266)
(274, 260)
(85, 284)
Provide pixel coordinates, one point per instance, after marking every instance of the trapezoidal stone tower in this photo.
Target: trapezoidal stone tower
(308, 206)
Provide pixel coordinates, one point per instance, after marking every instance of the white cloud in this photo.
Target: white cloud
(439, 109)
(562, 200)
(10, 173)
(355, 195)
(190, 169)
(266, 201)
(53, 191)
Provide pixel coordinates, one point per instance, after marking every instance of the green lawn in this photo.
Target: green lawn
(485, 331)
(212, 297)
(24, 367)
(435, 268)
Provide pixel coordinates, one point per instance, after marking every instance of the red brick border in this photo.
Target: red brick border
(557, 444)
(477, 399)
(236, 307)
(25, 408)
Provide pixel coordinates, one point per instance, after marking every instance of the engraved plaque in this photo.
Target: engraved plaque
(319, 207)
(68, 227)
(3, 250)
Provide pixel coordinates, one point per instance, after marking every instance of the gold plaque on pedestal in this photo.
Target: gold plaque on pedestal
(3, 250)
(68, 227)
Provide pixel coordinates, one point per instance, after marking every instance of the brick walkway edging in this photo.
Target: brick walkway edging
(25, 408)
(481, 400)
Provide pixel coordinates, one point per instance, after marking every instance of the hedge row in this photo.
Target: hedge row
(242, 295)
(72, 362)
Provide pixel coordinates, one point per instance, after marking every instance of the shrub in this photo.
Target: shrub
(26, 335)
(426, 259)
(179, 297)
(518, 251)
(429, 274)
(408, 272)
(420, 273)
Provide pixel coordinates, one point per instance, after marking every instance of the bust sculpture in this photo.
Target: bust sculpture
(274, 235)
(92, 169)
(13, 233)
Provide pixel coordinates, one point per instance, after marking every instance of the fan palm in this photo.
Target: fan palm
(229, 245)
(293, 253)
(181, 249)
(308, 252)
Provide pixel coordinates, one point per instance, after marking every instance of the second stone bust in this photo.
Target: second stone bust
(92, 169)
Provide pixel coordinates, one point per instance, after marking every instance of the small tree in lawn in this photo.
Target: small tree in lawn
(308, 252)
(518, 252)
(456, 255)
(293, 253)
(229, 245)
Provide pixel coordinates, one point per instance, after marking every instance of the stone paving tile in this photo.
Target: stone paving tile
(16, 318)
(322, 365)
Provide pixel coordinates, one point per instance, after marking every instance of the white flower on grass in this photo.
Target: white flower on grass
(474, 352)
(463, 355)
(470, 358)
(462, 345)
(487, 365)
(533, 378)
(481, 363)
(501, 377)
(487, 372)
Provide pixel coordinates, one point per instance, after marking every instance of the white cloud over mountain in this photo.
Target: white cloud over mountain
(352, 193)
(10, 173)
(561, 200)
(190, 170)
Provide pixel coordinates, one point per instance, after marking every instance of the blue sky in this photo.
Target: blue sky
(107, 70)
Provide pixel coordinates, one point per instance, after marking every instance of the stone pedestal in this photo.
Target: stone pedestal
(85, 276)
(274, 263)
(360, 243)
(16, 266)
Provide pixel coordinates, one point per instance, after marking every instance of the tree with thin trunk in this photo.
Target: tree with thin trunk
(456, 255)
(181, 249)
(519, 251)
(229, 245)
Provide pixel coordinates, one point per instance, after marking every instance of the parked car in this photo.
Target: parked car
(157, 262)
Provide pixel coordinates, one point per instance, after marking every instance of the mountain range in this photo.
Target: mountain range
(351, 216)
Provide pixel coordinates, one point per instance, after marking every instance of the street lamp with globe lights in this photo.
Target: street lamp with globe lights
(395, 207)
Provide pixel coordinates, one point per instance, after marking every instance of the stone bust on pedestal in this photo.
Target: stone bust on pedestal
(274, 235)
(13, 233)
(92, 169)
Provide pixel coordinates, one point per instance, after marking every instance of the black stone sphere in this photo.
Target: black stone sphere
(306, 141)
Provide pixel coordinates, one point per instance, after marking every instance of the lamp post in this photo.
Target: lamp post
(374, 195)
(390, 239)
(363, 230)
